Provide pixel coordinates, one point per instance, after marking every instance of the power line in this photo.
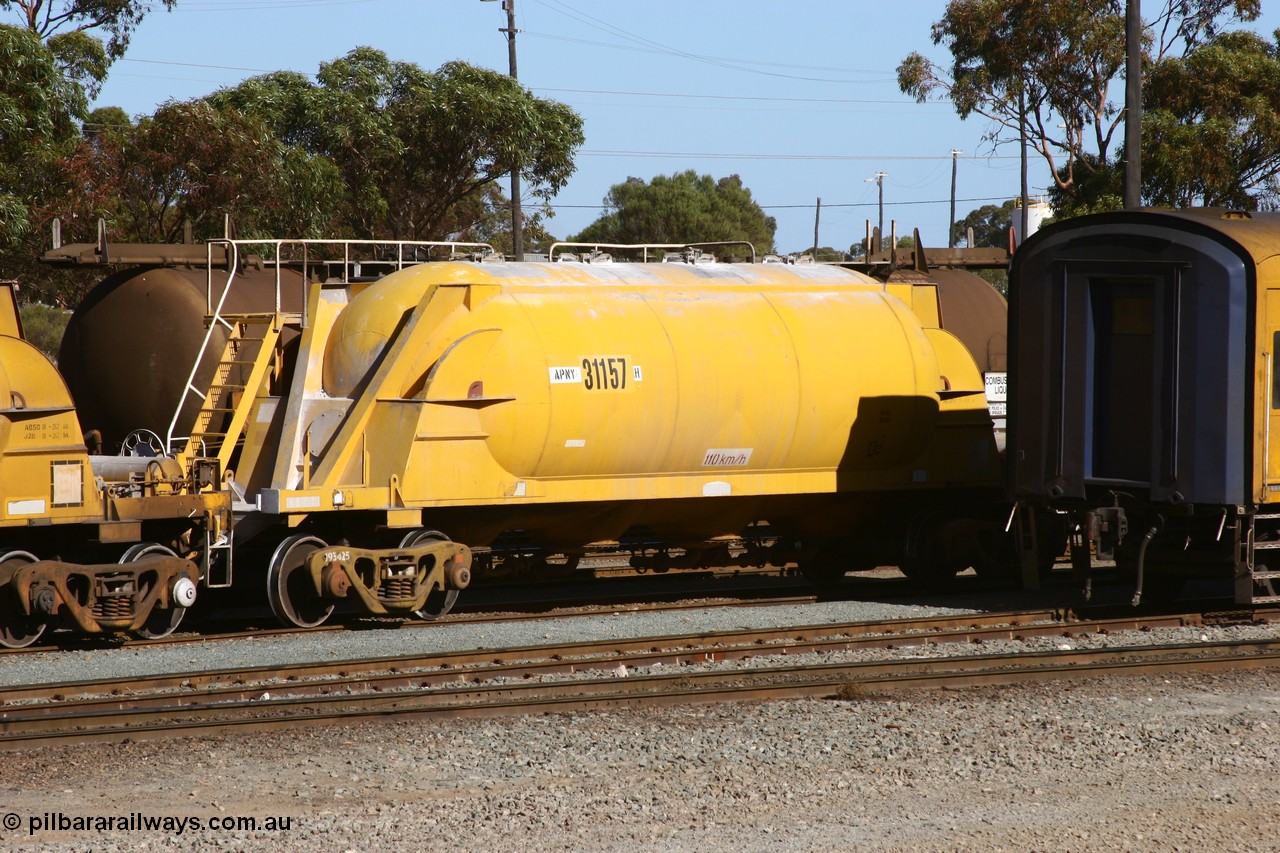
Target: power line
(256, 5)
(731, 65)
(619, 92)
(825, 205)
(726, 59)
(201, 65)
(841, 157)
(898, 101)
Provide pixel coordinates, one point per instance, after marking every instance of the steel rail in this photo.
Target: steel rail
(400, 672)
(397, 672)
(894, 630)
(404, 671)
(846, 680)
(495, 614)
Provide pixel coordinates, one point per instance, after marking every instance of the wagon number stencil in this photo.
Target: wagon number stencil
(598, 373)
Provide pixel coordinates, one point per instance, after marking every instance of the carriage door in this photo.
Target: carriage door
(1125, 378)
(1270, 346)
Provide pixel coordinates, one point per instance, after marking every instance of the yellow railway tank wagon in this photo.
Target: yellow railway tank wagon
(100, 544)
(581, 405)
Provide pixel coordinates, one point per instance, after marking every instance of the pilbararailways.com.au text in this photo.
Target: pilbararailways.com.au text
(139, 822)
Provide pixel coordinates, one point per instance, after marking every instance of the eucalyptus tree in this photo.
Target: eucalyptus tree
(417, 150)
(678, 208)
(1046, 69)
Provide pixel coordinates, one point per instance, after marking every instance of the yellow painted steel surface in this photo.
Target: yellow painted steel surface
(1259, 237)
(458, 384)
(44, 467)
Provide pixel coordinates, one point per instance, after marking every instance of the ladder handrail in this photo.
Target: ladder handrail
(276, 251)
(233, 263)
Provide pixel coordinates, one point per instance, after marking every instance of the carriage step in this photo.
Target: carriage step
(1258, 576)
(1265, 599)
(1262, 546)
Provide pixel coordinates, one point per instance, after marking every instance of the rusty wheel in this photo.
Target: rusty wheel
(439, 601)
(162, 621)
(17, 629)
(289, 589)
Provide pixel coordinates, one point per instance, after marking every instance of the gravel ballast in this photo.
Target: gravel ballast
(1149, 763)
(1135, 764)
(79, 664)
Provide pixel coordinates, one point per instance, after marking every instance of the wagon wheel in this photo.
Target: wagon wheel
(825, 568)
(439, 601)
(292, 596)
(17, 629)
(142, 442)
(924, 559)
(162, 621)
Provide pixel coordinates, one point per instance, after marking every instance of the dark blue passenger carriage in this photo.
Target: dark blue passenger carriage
(1144, 395)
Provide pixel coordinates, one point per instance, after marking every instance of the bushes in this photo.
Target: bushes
(43, 326)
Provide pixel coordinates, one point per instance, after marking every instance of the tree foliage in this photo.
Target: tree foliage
(1047, 67)
(117, 18)
(1211, 131)
(38, 112)
(415, 149)
(372, 149)
(67, 27)
(990, 224)
(682, 208)
(191, 162)
(43, 326)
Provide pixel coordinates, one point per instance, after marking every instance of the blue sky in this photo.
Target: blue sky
(798, 98)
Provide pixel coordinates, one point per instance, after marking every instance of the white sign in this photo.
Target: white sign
(565, 375)
(997, 396)
(726, 457)
(31, 507)
(68, 485)
(997, 387)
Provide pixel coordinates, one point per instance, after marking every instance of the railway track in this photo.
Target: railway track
(478, 617)
(519, 604)
(451, 684)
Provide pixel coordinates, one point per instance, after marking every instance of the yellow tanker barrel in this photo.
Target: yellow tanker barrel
(576, 382)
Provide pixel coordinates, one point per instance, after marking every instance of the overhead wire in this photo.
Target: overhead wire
(731, 60)
(732, 65)
(825, 205)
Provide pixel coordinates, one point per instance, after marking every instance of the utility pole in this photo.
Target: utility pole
(951, 223)
(1022, 138)
(517, 219)
(879, 177)
(1133, 105)
(817, 217)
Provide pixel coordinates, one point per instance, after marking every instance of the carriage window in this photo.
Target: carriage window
(1275, 374)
